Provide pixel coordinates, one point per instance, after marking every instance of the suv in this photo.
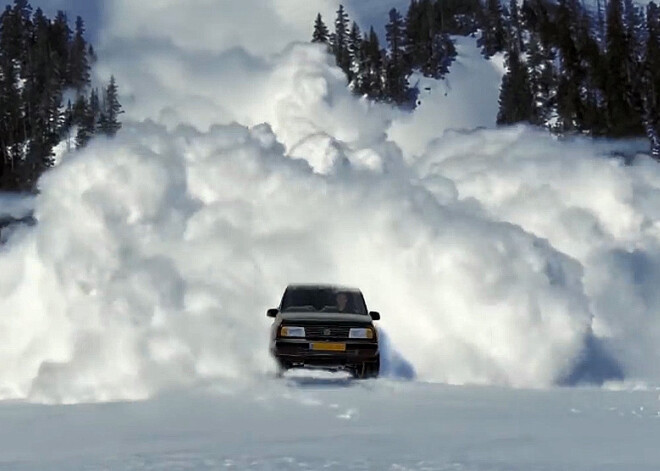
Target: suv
(325, 327)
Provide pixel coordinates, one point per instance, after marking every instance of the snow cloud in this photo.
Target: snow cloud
(495, 256)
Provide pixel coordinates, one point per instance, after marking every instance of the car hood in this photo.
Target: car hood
(322, 317)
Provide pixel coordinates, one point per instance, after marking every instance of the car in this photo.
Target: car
(325, 327)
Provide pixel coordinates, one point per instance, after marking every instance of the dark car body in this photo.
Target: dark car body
(328, 339)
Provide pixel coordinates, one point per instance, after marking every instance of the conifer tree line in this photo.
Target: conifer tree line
(419, 40)
(571, 68)
(41, 61)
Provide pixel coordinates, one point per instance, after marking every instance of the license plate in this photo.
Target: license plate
(328, 347)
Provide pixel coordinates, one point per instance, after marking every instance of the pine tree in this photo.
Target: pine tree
(109, 124)
(23, 9)
(635, 35)
(21, 14)
(515, 26)
(649, 83)
(420, 31)
(38, 59)
(395, 35)
(79, 62)
(91, 53)
(622, 118)
(321, 33)
(457, 17)
(592, 76)
(397, 70)
(86, 124)
(632, 19)
(46, 122)
(13, 127)
(516, 99)
(493, 37)
(413, 32)
(569, 100)
(530, 16)
(443, 53)
(79, 110)
(430, 27)
(60, 46)
(52, 114)
(542, 79)
(67, 124)
(355, 53)
(600, 23)
(339, 40)
(374, 64)
(95, 105)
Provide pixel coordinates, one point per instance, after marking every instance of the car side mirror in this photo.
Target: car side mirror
(375, 315)
(272, 312)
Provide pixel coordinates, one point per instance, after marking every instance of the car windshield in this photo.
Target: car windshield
(323, 300)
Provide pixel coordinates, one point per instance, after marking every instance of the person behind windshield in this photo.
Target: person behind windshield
(342, 303)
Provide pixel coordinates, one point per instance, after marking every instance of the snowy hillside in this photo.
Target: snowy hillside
(465, 100)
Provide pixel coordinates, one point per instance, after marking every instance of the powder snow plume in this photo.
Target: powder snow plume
(505, 257)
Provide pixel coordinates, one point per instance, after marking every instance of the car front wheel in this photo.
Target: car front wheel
(367, 370)
(281, 368)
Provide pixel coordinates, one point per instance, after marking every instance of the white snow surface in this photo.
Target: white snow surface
(497, 257)
(329, 424)
(464, 100)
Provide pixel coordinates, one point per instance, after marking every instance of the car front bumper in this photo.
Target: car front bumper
(298, 352)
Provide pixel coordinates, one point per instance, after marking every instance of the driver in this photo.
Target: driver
(342, 302)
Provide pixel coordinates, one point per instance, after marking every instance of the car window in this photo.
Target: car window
(323, 300)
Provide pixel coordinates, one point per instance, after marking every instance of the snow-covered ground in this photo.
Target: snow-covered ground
(326, 423)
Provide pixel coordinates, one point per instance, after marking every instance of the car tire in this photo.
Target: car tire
(367, 370)
(281, 369)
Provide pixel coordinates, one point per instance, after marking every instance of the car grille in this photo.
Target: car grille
(326, 332)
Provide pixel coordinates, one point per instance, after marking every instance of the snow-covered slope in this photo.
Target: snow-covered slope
(502, 257)
(466, 99)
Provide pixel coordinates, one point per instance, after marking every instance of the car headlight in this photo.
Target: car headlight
(361, 334)
(292, 331)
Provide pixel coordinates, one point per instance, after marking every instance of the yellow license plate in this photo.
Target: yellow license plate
(328, 347)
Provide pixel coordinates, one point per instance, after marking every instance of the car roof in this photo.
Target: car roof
(322, 286)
